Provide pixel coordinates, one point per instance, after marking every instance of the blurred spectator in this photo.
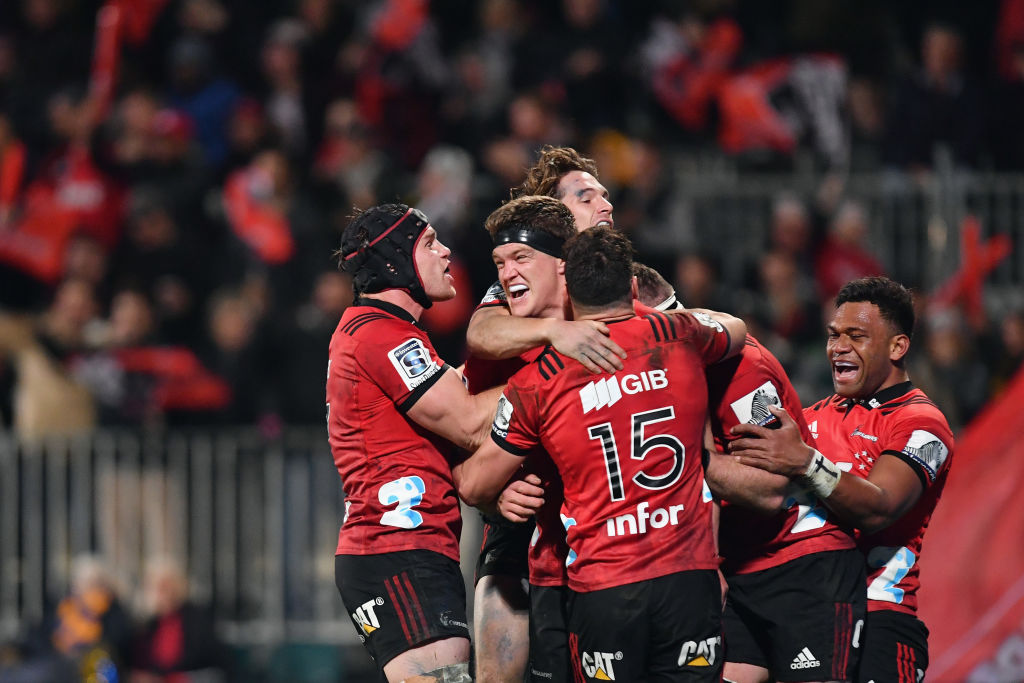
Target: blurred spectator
(178, 635)
(1008, 360)
(301, 345)
(285, 100)
(865, 102)
(201, 92)
(86, 637)
(844, 255)
(950, 371)
(347, 160)
(698, 283)
(939, 104)
(173, 267)
(46, 400)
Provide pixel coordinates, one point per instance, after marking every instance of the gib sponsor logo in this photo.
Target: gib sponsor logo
(700, 652)
(600, 665)
(607, 391)
(644, 520)
(366, 618)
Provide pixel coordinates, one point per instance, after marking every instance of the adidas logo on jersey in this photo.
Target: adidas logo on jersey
(599, 665)
(607, 391)
(804, 660)
(366, 618)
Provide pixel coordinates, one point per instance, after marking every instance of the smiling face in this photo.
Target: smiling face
(863, 349)
(586, 198)
(534, 282)
(433, 261)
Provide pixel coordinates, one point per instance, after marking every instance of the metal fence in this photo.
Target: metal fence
(253, 521)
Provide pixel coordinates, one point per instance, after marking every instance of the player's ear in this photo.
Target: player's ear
(898, 347)
(561, 267)
(634, 288)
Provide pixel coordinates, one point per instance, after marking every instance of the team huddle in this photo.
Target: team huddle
(657, 504)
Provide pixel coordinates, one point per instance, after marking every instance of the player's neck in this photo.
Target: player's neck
(897, 376)
(610, 313)
(400, 298)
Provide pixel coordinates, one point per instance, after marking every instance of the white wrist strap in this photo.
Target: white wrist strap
(822, 476)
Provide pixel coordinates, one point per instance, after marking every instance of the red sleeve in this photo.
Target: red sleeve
(920, 436)
(402, 362)
(516, 425)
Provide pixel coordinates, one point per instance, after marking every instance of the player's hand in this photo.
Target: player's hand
(780, 450)
(521, 498)
(588, 342)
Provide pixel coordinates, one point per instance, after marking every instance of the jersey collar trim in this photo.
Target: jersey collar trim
(882, 397)
(388, 307)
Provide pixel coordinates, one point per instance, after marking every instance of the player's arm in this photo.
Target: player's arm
(449, 410)
(735, 327)
(494, 334)
(740, 484)
(869, 504)
(480, 478)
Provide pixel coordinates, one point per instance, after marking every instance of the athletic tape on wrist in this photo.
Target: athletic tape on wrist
(822, 476)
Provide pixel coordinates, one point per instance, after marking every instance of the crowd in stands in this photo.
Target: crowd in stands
(168, 219)
(97, 632)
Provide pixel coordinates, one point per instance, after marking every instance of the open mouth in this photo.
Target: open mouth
(844, 370)
(517, 291)
(605, 223)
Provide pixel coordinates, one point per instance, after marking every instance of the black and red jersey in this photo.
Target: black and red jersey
(902, 422)
(740, 391)
(627, 446)
(399, 493)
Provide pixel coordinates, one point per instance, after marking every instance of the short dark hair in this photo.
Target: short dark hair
(652, 288)
(599, 267)
(553, 163)
(895, 302)
(538, 213)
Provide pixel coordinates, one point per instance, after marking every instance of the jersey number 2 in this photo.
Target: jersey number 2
(408, 493)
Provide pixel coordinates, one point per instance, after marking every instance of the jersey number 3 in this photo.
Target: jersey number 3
(407, 492)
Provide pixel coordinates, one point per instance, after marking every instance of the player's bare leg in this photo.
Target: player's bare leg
(735, 672)
(439, 661)
(501, 631)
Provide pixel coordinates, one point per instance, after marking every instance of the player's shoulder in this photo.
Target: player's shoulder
(914, 409)
(834, 402)
(364, 323)
(548, 365)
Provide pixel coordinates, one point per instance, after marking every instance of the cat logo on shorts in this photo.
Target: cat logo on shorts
(366, 618)
(598, 665)
(700, 652)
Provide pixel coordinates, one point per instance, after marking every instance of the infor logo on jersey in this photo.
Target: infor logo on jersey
(413, 363)
(599, 665)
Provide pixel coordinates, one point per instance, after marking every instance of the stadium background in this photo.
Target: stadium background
(174, 176)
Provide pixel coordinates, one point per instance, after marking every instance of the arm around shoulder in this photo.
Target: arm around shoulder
(450, 411)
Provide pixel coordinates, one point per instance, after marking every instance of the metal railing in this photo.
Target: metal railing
(253, 522)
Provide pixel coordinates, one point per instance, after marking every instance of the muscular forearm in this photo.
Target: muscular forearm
(858, 502)
(749, 487)
(494, 334)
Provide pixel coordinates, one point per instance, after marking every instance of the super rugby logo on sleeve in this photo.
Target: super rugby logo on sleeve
(413, 363)
(502, 417)
(927, 450)
(753, 408)
(708, 321)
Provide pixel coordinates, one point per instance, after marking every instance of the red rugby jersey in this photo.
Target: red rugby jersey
(548, 550)
(627, 447)
(900, 421)
(740, 390)
(399, 493)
